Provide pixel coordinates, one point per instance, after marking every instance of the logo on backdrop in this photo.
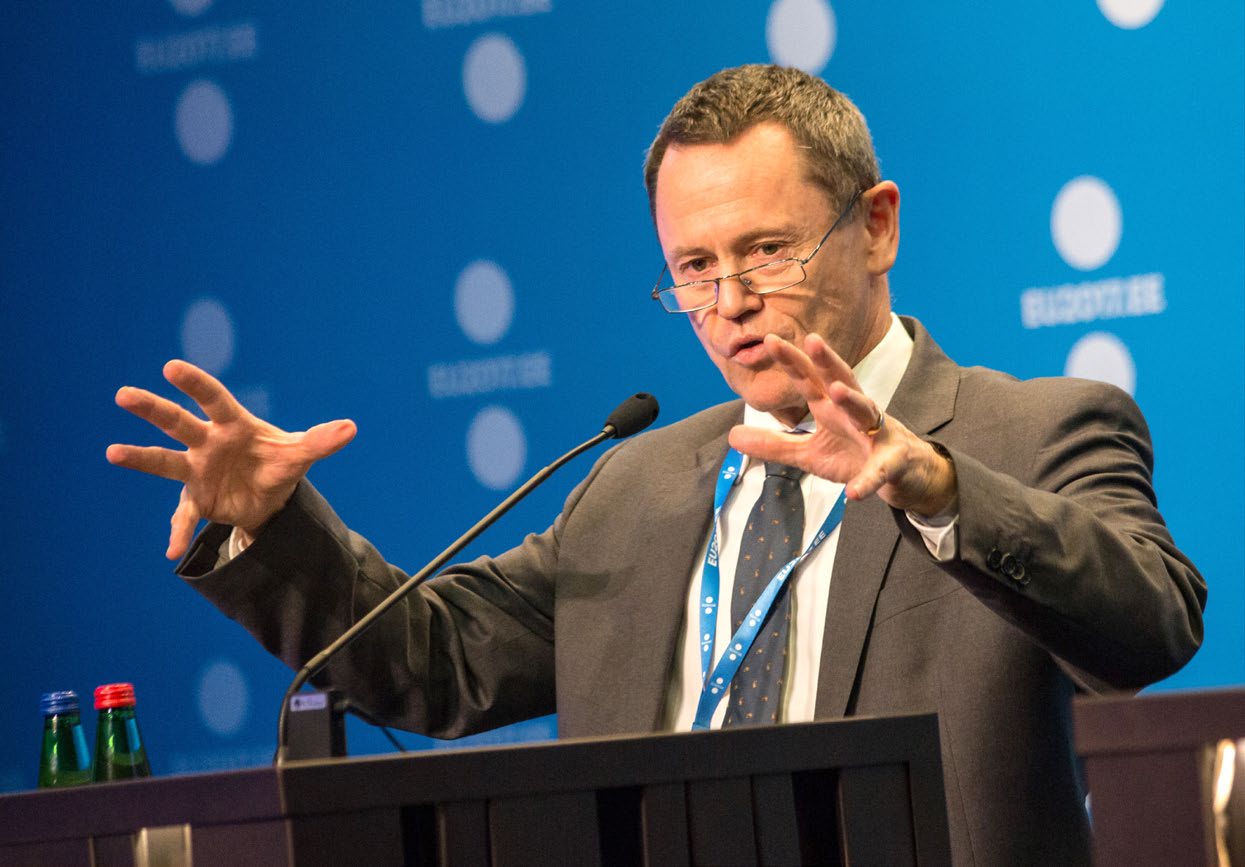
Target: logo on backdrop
(213, 45)
(203, 121)
(1086, 225)
(494, 81)
(494, 71)
(452, 13)
(484, 306)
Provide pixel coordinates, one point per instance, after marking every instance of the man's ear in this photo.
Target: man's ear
(881, 206)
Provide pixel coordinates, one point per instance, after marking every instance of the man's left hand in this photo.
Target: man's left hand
(855, 443)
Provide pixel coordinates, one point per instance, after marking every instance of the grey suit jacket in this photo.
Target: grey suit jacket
(1066, 578)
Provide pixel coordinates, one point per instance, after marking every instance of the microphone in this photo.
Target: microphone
(630, 417)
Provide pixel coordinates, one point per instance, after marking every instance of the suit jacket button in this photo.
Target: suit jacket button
(1015, 570)
(994, 558)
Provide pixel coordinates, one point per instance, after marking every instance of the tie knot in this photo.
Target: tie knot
(786, 472)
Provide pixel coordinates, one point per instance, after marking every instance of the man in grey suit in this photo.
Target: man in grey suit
(1000, 548)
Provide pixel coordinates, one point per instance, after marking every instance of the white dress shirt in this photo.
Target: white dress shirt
(878, 373)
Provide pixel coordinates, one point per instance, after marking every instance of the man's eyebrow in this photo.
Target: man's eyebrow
(740, 242)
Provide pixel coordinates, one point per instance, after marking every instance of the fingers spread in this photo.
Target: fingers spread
(205, 390)
(164, 414)
(157, 461)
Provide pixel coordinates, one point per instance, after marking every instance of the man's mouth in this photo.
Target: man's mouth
(748, 351)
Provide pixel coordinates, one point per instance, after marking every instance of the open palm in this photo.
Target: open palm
(236, 468)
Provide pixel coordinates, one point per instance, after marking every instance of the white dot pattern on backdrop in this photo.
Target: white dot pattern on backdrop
(1130, 14)
(207, 336)
(801, 33)
(1104, 357)
(494, 78)
(496, 447)
(1086, 223)
(223, 698)
(483, 302)
(204, 122)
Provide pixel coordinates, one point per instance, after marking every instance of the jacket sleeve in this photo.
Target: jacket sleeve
(1077, 556)
(469, 650)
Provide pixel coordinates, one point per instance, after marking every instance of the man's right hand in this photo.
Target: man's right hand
(236, 469)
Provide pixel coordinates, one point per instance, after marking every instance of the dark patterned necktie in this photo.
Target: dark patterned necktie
(774, 535)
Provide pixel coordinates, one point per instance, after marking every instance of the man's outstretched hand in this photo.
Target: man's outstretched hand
(855, 443)
(236, 469)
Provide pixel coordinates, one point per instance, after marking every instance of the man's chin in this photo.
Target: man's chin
(783, 404)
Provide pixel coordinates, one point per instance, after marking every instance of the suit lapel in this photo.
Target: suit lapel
(681, 510)
(923, 402)
(867, 542)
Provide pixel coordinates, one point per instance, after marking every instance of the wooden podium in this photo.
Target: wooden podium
(1149, 763)
(856, 791)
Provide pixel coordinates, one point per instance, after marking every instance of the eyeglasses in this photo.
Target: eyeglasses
(759, 279)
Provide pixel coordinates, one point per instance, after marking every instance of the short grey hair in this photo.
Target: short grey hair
(729, 103)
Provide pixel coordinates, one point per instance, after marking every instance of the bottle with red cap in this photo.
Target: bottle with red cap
(119, 751)
(64, 760)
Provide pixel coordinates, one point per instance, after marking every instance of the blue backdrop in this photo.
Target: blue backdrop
(429, 217)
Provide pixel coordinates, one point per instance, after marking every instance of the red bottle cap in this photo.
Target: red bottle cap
(114, 695)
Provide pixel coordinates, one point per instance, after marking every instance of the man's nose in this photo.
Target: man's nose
(735, 299)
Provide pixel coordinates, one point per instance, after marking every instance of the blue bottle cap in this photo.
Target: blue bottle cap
(65, 701)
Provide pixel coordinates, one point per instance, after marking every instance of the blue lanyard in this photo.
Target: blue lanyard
(717, 682)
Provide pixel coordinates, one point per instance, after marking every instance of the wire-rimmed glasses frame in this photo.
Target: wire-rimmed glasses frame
(669, 299)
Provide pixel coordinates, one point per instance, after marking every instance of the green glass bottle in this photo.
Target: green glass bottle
(64, 760)
(119, 750)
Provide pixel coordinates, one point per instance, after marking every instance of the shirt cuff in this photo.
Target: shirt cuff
(235, 545)
(938, 534)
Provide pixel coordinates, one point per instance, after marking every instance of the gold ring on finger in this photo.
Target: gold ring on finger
(877, 425)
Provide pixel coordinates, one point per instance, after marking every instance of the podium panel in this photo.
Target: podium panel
(1151, 766)
(854, 791)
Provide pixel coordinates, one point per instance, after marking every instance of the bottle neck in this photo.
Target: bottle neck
(65, 759)
(119, 751)
(122, 712)
(62, 721)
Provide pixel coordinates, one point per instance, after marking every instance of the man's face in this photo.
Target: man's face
(723, 208)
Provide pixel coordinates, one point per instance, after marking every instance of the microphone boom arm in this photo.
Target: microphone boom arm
(318, 661)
